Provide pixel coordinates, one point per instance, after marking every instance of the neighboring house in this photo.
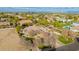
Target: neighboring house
(60, 19)
(22, 22)
(63, 19)
(75, 27)
(10, 14)
(75, 24)
(20, 17)
(3, 19)
(4, 23)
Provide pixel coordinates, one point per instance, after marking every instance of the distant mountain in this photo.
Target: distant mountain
(40, 9)
(75, 12)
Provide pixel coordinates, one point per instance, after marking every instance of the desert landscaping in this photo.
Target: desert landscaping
(39, 31)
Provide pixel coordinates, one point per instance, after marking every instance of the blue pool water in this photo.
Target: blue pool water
(40, 9)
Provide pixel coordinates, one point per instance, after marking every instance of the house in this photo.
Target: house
(75, 24)
(63, 19)
(60, 19)
(3, 19)
(4, 23)
(69, 20)
(20, 17)
(75, 27)
(23, 22)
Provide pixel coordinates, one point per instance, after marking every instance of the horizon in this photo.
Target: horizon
(41, 9)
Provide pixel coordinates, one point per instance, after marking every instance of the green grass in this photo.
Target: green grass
(65, 39)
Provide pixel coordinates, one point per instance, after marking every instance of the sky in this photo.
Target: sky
(40, 9)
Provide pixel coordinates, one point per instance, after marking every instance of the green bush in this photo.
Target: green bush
(18, 28)
(65, 39)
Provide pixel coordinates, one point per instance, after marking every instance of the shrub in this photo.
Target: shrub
(18, 28)
(65, 39)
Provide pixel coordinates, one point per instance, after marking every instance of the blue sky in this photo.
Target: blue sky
(40, 9)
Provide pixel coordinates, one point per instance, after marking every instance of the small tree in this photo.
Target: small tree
(43, 22)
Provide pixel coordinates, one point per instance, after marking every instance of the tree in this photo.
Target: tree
(43, 22)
